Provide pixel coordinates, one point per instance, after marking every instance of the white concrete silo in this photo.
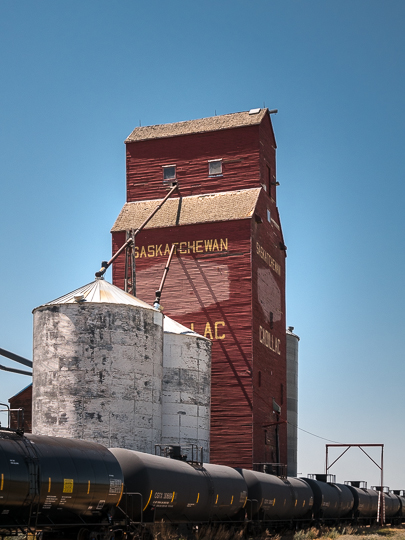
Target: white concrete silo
(186, 388)
(97, 368)
(292, 401)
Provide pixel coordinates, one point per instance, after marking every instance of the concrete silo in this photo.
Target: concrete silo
(186, 388)
(97, 375)
(292, 401)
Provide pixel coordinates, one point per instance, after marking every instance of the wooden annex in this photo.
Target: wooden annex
(227, 277)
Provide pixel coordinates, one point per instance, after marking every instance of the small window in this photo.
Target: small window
(268, 216)
(215, 167)
(169, 173)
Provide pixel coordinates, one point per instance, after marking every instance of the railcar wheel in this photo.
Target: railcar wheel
(83, 534)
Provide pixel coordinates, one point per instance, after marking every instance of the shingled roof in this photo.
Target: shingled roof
(213, 123)
(226, 206)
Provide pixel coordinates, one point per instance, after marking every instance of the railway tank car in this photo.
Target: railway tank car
(277, 499)
(365, 501)
(331, 501)
(159, 488)
(49, 481)
(86, 491)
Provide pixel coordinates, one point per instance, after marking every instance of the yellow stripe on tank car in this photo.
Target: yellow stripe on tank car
(198, 498)
(2, 482)
(244, 504)
(150, 496)
(88, 487)
(174, 493)
(216, 500)
(49, 484)
(122, 491)
(274, 501)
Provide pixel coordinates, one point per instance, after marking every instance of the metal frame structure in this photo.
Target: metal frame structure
(129, 247)
(381, 500)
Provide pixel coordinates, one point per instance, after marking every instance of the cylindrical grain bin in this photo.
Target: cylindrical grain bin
(97, 368)
(292, 401)
(186, 388)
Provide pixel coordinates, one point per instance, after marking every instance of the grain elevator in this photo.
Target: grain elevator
(227, 277)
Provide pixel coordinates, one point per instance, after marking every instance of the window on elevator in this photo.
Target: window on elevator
(215, 167)
(169, 173)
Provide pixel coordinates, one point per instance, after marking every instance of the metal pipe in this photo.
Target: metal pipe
(106, 264)
(166, 270)
(13, 370)
(16, 358)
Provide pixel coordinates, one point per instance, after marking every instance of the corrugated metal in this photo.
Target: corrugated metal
(99, 291)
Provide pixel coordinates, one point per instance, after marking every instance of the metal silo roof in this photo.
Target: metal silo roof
(172, 327)
(99, 291)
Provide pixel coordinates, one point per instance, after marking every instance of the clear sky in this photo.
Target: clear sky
(77, 77)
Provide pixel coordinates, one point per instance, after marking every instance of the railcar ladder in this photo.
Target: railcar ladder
(32, 461)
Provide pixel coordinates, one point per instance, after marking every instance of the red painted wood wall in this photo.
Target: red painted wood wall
(22, 400)
(233, 291)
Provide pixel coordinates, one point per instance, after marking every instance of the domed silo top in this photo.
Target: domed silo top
(102, 292)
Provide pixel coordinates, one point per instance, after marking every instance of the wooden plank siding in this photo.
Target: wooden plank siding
(211, 293)
(238, 148)
(226, 281)
(269, 337)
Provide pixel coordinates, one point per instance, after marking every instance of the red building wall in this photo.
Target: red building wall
(232, 291)
(239, 148)
(23, 400)
(209, 291)
(269, 338)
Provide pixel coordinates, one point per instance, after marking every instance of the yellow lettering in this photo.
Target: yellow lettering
(208, 330)
(268, 259)
(219, 323)
(192, 327)
(269, 340)
(196, 246)
(208, 245)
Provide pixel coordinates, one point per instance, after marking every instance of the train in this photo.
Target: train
(81, 490)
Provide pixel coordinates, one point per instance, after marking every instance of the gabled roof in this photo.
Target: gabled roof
(211, 207)
(213, 123)
(20, 392)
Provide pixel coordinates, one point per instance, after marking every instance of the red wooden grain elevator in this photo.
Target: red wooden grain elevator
(227, 277)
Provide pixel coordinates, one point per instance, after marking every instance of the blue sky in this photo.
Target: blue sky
(77, 77)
